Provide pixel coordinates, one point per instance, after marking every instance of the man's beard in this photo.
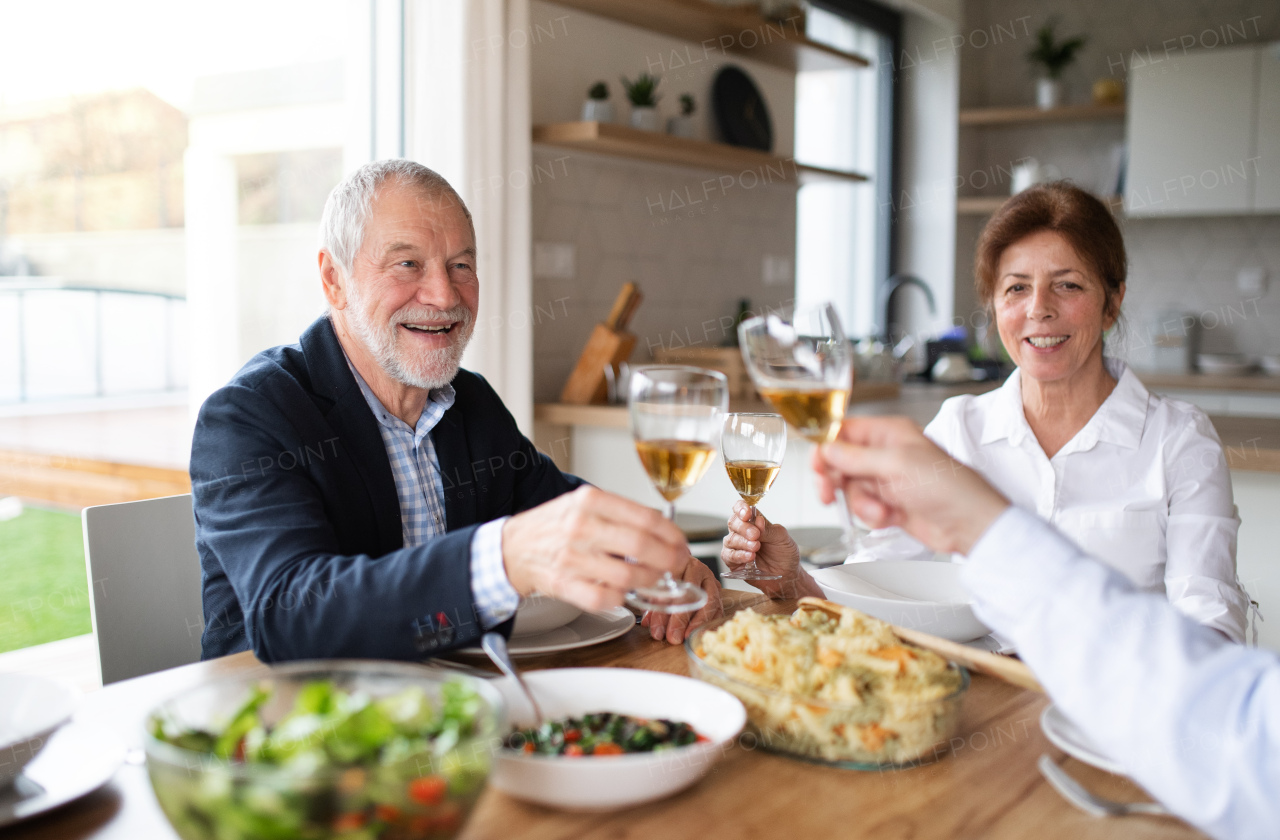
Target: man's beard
(427, 369)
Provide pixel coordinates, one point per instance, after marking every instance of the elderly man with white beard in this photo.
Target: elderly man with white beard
(358, 494)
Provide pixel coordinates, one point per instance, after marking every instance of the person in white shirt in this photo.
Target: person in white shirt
(1191, 717)
(1135, 479)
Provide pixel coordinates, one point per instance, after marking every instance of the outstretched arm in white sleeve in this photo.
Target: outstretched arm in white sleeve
(1191, 717)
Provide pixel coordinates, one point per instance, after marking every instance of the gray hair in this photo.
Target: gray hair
(347, 210)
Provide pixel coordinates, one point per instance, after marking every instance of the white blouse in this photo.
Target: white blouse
(1144, 486)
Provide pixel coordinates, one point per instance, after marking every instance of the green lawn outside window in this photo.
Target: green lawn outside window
(44, 595)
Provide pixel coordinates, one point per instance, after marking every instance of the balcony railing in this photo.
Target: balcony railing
(61, 342)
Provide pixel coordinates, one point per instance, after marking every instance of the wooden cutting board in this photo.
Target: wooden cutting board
(608, 344)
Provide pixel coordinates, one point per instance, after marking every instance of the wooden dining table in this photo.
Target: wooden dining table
(986, 786)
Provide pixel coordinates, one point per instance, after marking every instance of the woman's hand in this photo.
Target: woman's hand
(675, 626)
(773, 550)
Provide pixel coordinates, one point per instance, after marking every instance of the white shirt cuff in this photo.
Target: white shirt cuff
(495, 598)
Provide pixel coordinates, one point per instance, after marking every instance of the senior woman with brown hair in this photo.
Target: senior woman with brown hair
(1134, 478)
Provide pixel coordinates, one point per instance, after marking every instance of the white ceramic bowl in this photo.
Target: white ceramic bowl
(610, 782)
(917, 594)
(541, 613)
(31, 709)
(1224, 364)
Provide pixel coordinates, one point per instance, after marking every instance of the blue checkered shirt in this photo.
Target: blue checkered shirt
(416, 470)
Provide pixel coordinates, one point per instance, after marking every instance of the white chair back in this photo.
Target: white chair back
(144, 585)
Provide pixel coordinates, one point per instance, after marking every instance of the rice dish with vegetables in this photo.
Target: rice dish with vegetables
(837, 688)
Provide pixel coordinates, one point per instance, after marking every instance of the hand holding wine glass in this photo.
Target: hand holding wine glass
(676, 415)
(803, 365)
(753, 446)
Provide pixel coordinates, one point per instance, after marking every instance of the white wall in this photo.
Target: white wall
(279, 283)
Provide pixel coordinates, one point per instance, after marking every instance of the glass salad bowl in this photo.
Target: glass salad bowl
(323, 749)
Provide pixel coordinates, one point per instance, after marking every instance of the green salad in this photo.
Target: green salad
(339, 764)
(602, 733)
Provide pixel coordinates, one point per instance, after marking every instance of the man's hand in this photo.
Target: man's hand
(572, 547)
(675, 626)
(774, 551)
(893, 475)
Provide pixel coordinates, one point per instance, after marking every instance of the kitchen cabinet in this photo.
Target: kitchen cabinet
(1257, 496)
(1267, 196)
(1199, 142)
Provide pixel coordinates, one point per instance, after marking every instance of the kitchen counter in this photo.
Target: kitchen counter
(1196, 381)
(615, 416)
(1251, 443)
(867, 397)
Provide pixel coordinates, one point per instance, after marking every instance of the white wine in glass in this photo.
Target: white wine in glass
(815, 413)
(802, 363)
(676, 413)
(752, 479)
(674, 465)
(753, 446)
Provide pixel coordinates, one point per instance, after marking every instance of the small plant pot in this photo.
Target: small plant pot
(680, 127)
(1048, 94)
(645, 119)
(597, 110)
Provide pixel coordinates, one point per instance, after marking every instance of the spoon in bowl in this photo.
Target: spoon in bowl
(495, 647)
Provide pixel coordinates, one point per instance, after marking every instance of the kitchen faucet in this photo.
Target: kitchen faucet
(889, 287)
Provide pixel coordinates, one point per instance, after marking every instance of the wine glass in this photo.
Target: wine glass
(753, 446)
(802, 363)
(676, 414)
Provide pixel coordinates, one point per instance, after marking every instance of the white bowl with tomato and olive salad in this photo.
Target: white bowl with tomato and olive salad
(613, 737)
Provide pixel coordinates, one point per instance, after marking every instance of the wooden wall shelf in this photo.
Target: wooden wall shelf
(720, 29)
(979, 205)
(985, 205)
(1023, 116)
(624, 141)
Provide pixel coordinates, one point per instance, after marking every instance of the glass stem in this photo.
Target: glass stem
(852, 531)
(670, 514)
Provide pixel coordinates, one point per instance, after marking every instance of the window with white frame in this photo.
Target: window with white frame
(842, 234)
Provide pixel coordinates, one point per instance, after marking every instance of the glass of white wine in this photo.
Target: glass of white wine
(802, 363)
(676, 415)
(753, 446)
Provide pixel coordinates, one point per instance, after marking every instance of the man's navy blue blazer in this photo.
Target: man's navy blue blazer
(298, 521)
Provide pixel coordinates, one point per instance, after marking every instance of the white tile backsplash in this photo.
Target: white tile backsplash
(694, 250)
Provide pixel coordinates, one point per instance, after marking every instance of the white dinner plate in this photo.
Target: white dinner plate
(78, 760)
(1064, 735)
(923, 595)
(585, 630)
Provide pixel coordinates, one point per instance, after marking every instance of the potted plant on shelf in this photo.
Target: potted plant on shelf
(597, 108)
(682, 126)
(643, 95)
(1050, 58)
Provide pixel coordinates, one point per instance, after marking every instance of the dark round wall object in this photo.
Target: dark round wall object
(741, 113)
